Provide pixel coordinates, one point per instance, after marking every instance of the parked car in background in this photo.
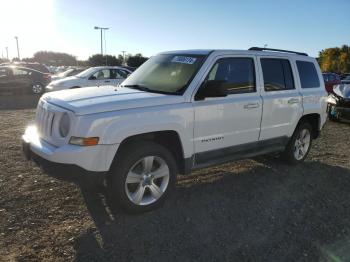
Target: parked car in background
(180, 111)
(37, 66)
(94, 76)
(339, 103)
(67, 73)
(330, 79)
(17, 79)
(344, 76)
(346, 80)
(130, 68)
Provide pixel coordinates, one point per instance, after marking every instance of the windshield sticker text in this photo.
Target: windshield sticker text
(184, 60)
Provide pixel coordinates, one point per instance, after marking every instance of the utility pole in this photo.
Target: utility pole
(7, 53)
(123, 52)
(101, 28)
(16, 37)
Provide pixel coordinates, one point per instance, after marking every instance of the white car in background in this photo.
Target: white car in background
(94, 76)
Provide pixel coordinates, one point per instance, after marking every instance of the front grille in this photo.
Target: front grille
(44, 120)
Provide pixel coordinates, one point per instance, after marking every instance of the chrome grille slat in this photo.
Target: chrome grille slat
(44, 122)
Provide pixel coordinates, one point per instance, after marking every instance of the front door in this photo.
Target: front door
(223, 123)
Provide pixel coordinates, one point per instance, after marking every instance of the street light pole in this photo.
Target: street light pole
(123, 52)
(7, 53)
(16, 37)
(101, 28)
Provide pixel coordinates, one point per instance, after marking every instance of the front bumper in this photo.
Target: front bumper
(96, 159)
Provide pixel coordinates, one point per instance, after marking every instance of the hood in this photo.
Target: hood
(90, 100)
(63, 81)
(342, 90)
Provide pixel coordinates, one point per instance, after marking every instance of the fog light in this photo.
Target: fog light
(84, 141)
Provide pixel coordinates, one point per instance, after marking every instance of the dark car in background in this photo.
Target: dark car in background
(346, 80)
(343, 76)
(339, 103)
(17, 79)
(330, 80)
(37, 66)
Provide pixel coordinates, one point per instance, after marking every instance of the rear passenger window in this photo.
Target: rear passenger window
(277, 74)
(308, 75)
(238, 74)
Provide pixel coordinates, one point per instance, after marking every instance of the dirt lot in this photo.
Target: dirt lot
(252, 210)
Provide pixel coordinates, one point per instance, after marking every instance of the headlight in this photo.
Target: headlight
(64, 125)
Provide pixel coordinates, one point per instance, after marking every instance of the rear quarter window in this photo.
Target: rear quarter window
(308, 74)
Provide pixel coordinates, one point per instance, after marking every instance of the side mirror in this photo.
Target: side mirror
(212, 88)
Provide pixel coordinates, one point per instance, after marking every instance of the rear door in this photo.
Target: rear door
(223, 123)
(282, 101)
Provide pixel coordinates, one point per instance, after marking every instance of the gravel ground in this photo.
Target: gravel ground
(251, 210)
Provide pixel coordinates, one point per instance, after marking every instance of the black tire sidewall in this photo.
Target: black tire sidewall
(289, 152)
(126, 158)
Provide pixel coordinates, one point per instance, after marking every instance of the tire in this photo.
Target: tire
(141, 163)
(37, 89)
(299, 145)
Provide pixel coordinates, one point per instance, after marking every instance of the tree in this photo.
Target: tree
(336, 59)
(136, 60)
(100, 60)
(54, 58)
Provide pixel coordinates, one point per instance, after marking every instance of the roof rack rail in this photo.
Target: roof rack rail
(276, 50)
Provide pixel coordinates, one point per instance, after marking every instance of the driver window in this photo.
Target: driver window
(238, 74)
(102, 74)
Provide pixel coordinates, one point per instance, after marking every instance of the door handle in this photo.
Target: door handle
(293, 101)
(107, 81)
(251, 106)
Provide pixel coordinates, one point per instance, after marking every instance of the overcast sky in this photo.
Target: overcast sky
(151, 26)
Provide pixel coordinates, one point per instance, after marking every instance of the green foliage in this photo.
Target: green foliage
(335, 59)
(136, 60)
(54, 58)
(100, 60)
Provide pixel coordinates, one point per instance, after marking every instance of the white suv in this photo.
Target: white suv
(178, 112)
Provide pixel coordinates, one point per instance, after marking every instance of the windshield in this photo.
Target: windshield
(86, 72)
(165, 73)
(65, 73)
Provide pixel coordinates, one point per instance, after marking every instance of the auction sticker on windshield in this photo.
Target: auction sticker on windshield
(184, 60)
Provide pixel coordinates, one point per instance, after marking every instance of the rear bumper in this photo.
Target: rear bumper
(89, 158)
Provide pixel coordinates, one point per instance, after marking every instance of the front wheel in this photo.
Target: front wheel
(299, 145)
(142, 176)
(37, 89)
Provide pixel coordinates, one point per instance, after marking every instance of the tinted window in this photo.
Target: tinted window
(331, 77)
(325, 77)
(277, 74)
(102, 74)
(21, 72)
(308, 75)
(238, 74)
(117, 73)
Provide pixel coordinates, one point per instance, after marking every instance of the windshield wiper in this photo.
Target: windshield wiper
(138, 87)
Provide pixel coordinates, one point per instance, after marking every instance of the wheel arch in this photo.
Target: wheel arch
(170, 139)
(314, 119)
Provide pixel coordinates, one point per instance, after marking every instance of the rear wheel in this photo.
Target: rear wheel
(299, 145)
(142, 176)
